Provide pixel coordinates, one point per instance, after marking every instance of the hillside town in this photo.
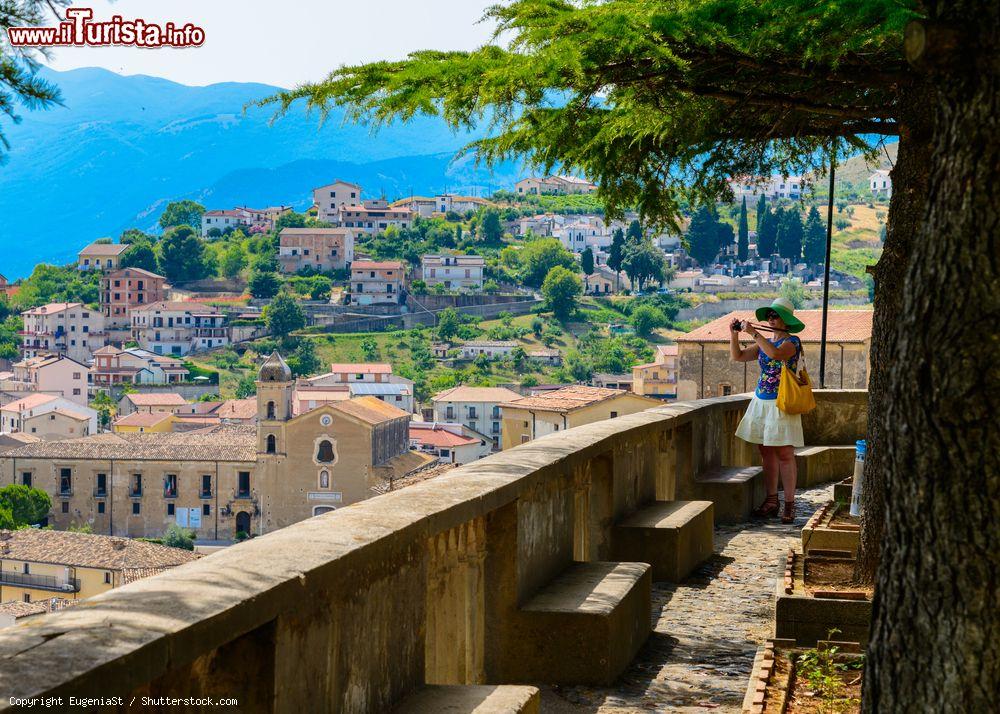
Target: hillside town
(170, 395)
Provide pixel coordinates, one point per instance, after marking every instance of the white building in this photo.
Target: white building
(454, 272)
(493, 349)
(880, 183)
(52, 374)
(178, 328)
(556, 185)
(330, 198)
(428, 206)
(775, 187)
(475, 407)
(449, 443)
(223, 220)
(373, 218)
(68, 328)
(377, 282)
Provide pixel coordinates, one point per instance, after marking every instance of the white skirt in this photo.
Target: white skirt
(765, 424)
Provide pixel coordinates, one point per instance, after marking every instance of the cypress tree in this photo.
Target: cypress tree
(815, 239)
(743, 242)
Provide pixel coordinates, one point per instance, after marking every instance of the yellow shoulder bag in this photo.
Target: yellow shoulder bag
(795, 391)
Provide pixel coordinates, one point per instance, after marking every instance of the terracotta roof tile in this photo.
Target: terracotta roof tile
(87, 550)
(361, 368)
(842, 326)
(143, 419)
(156, 399)
(566, 399)
(439, 437)
(370, 409)
(476, 394)
(104, 249)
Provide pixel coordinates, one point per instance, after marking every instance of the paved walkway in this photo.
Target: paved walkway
(706, 630)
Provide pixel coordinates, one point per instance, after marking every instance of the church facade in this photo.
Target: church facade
(227, 481)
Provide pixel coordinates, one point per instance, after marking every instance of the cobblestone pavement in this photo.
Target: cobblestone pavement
(706, 629)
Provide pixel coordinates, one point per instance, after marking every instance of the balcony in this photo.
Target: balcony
(443, 582)
(42, 582)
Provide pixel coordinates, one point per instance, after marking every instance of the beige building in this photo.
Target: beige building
(559, 185)
(38, 564)
(101, 256)
(48, 417)
(330, 198)
(321, 249)
(705, 369)
(151, 403)
(223, 480)
(454, 272)
(53, 374)
(528, 418)
(372, 218)
(659, 377)
(68, 328)
(377, 282)
(492, 349)
(113, 366)
(427, 207)
(475, 407)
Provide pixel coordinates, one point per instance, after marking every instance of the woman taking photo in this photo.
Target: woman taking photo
(775, 432)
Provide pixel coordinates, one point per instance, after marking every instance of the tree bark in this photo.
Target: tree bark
(906, 212)
(935, 640)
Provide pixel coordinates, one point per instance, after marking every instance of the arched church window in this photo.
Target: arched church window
(324, 454)
(271, 444)
(270, 410)
(324, 479)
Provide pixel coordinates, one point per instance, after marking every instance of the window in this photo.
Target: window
(27, 597)
(65, 481)
(170, 509)
(136, 508)
(26, 478)
(206, 510)
(107, 578)
(65, 506)
(324, 479)
(100, 506)
(136, 485)
(170, 486)
(525, 438)
(614, 414)
(243, 484)
(102, 484)
(725, 389)
(324, 454)
(76, 391)
(271, 444)
(76, 375)
(206, 485)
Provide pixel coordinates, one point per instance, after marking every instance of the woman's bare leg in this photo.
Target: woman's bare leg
(769, 458)
(785, 457)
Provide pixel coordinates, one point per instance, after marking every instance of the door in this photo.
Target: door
(243, 522)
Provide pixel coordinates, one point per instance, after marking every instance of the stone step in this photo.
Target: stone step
(472, 699)
(822, 464)
(734, 491)
(586, 625)
(672, 536)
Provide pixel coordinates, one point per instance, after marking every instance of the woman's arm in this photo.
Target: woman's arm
(783, 353)
(736, 352)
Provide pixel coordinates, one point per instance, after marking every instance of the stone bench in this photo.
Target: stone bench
(822, 464)
(734, 491)
(471, 699)
(585, 626)
(672, 536)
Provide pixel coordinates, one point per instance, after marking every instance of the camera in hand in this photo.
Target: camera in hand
(736, 325)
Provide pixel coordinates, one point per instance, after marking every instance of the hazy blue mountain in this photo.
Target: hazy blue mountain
(121, 147)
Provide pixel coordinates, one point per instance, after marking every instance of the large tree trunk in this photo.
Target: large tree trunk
(906, 212)
(935, 643)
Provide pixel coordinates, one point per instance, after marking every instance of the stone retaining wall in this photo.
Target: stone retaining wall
(352, 610)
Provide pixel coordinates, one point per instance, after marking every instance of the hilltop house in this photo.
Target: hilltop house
(124, 290)
(68, 328)
(880, 184)
(453, 272)
(493, 349)
(559, 185)
(101, 256)
(426, 207)
(53, 374)
(373, 217)
(178, 328)
(320, 249)
(377, 282)
(330, 198)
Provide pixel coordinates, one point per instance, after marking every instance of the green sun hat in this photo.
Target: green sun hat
(787, 313)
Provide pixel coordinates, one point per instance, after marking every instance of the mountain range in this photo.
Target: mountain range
(120, 147)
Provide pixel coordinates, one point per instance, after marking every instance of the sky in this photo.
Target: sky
(281, 43)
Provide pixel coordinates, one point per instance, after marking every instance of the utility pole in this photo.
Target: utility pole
(826, 266)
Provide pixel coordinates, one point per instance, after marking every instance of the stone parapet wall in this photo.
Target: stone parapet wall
(353, 610)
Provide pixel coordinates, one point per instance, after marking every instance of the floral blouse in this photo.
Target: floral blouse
(770, 369)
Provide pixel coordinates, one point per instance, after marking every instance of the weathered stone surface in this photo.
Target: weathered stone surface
(673, 536)
(821, 464)
(597, 611)
(807, 619)
(482, 699)
(734, 491)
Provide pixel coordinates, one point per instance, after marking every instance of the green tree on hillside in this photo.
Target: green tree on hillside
(134, 235)
(561, 289)
(790, 234)
(634, 233)
(140, 254)
(182, 256)
(644, 262)
(703, 237)
(290, 220)
(264, 284)
(539, 256)
(234, 260)
(284, 315)
(448, 323)
(767, 235)
(587, 261)
(616, 253)
(490, 230)
(815, 239)
(743, 240)
(27, 505)
(647, 318)
(182, 213)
